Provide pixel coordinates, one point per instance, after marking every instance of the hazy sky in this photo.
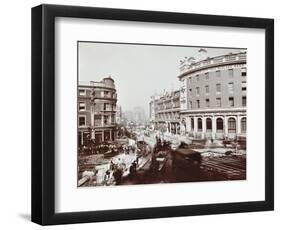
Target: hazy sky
(139, 71)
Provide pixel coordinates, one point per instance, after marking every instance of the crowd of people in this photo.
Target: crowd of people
(103, 148)
(123, 163)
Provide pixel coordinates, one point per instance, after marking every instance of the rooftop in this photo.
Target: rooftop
(189, 65)
(106, 82)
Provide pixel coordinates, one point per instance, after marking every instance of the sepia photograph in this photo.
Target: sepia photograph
(141, 114)
(151, 114)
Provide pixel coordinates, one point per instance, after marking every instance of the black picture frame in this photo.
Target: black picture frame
(43, 113)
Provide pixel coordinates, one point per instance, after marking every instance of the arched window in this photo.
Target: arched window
(192, 123)
(243, 125)
(199, 122)
(209, 124)
(231, 125)
(219, 125)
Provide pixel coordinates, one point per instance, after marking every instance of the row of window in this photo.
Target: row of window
(218, 102)
(98, 107)
(106, 93)
(107, 120)
(169, 105)
(218, 74)
(219, 124)
(230, 88)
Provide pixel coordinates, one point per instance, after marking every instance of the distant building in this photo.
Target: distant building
(139, 115)
(97, 111)
(136, 115)
(152, 108)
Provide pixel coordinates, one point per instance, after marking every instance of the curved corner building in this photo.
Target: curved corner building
(97, 111)
(215, 97)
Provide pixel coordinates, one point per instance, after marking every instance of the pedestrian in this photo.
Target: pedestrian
(118, 176)
(107, 177)
(111, 165)
(133, 169)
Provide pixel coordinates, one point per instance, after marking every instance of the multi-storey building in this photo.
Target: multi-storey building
(96, 111)
(215, 96)
(165, 112)
(152, 108)
(211, 102)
